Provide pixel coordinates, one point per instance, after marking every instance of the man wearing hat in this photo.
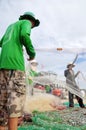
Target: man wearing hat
(12, 68)
(70, 80)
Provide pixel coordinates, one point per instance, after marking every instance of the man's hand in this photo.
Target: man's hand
(78, 72)
(30, 78)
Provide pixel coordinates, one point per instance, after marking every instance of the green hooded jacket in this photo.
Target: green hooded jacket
(16, 36)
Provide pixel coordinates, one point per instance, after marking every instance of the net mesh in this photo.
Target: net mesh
(49, 121)
(50, 78)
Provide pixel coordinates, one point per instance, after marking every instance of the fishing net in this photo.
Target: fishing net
(49, 121)
(53, 79)
(41, 102)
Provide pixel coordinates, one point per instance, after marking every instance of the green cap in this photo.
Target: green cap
(29, 13)
(30, 16)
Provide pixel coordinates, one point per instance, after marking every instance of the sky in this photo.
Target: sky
(62, 25)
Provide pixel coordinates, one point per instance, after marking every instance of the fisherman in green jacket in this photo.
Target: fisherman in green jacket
(12, 69)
